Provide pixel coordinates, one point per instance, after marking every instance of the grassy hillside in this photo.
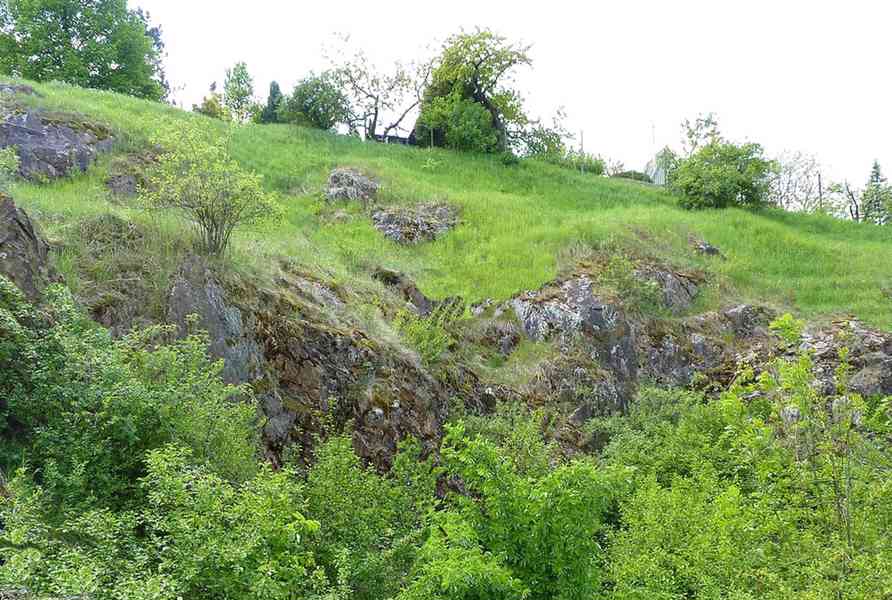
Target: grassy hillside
(520, 224)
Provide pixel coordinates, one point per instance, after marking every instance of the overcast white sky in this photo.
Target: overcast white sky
(791, 74)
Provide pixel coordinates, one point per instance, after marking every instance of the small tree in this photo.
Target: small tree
(877, 198)
(270, 113)
(796, 185)
(723, 174)
(197, 177)
(238, 92)
(317, 101)
(212, 105)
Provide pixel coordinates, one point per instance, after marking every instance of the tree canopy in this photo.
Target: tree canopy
(471, 102)
(91, 43)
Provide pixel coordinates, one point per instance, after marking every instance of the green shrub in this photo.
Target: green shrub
(85, 408)
(197, 177)
(464, 125)
(637, 293)
(722, 174)
(431, 335)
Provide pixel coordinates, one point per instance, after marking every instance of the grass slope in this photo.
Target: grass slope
(519, 223)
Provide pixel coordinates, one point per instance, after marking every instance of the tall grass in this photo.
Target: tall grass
(516, 221)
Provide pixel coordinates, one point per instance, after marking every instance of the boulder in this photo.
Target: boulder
(51, 145)
(416, 224)
(705, 248)
(24, 253)
(350, 185)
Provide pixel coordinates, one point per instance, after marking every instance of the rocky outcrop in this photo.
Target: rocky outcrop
(629, 348)
(350, 185)
(869, 356)
(24, 253)
(705, 248)
(415, 224)
(311, 371)
(571, 313)
(17, 89)
(196, 291)
(328, 375)
(679, 290)
(51, 145)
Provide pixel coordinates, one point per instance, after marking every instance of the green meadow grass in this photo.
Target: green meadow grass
(519, 224)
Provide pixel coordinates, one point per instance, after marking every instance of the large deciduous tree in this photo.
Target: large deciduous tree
(471, 102)
(317, 101)
(91, 43)
(796, 186)
(379, 100)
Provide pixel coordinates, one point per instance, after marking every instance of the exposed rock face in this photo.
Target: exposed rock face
(630, 349)
(196, 291)
(572, 311)
(350, 185)
(869, 355)
(310, 371)
(329, 373)
(416, 224)
(24, 254)
(50, 145)
(679, 289)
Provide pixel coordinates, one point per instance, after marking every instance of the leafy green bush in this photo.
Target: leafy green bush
(746, 496)
(88, 407)
(722, 174)
(462, 124)
(370, 526)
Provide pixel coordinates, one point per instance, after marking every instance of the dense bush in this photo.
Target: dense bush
(722, 174)
(88, 407)
(98, 44)
(457, 123)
